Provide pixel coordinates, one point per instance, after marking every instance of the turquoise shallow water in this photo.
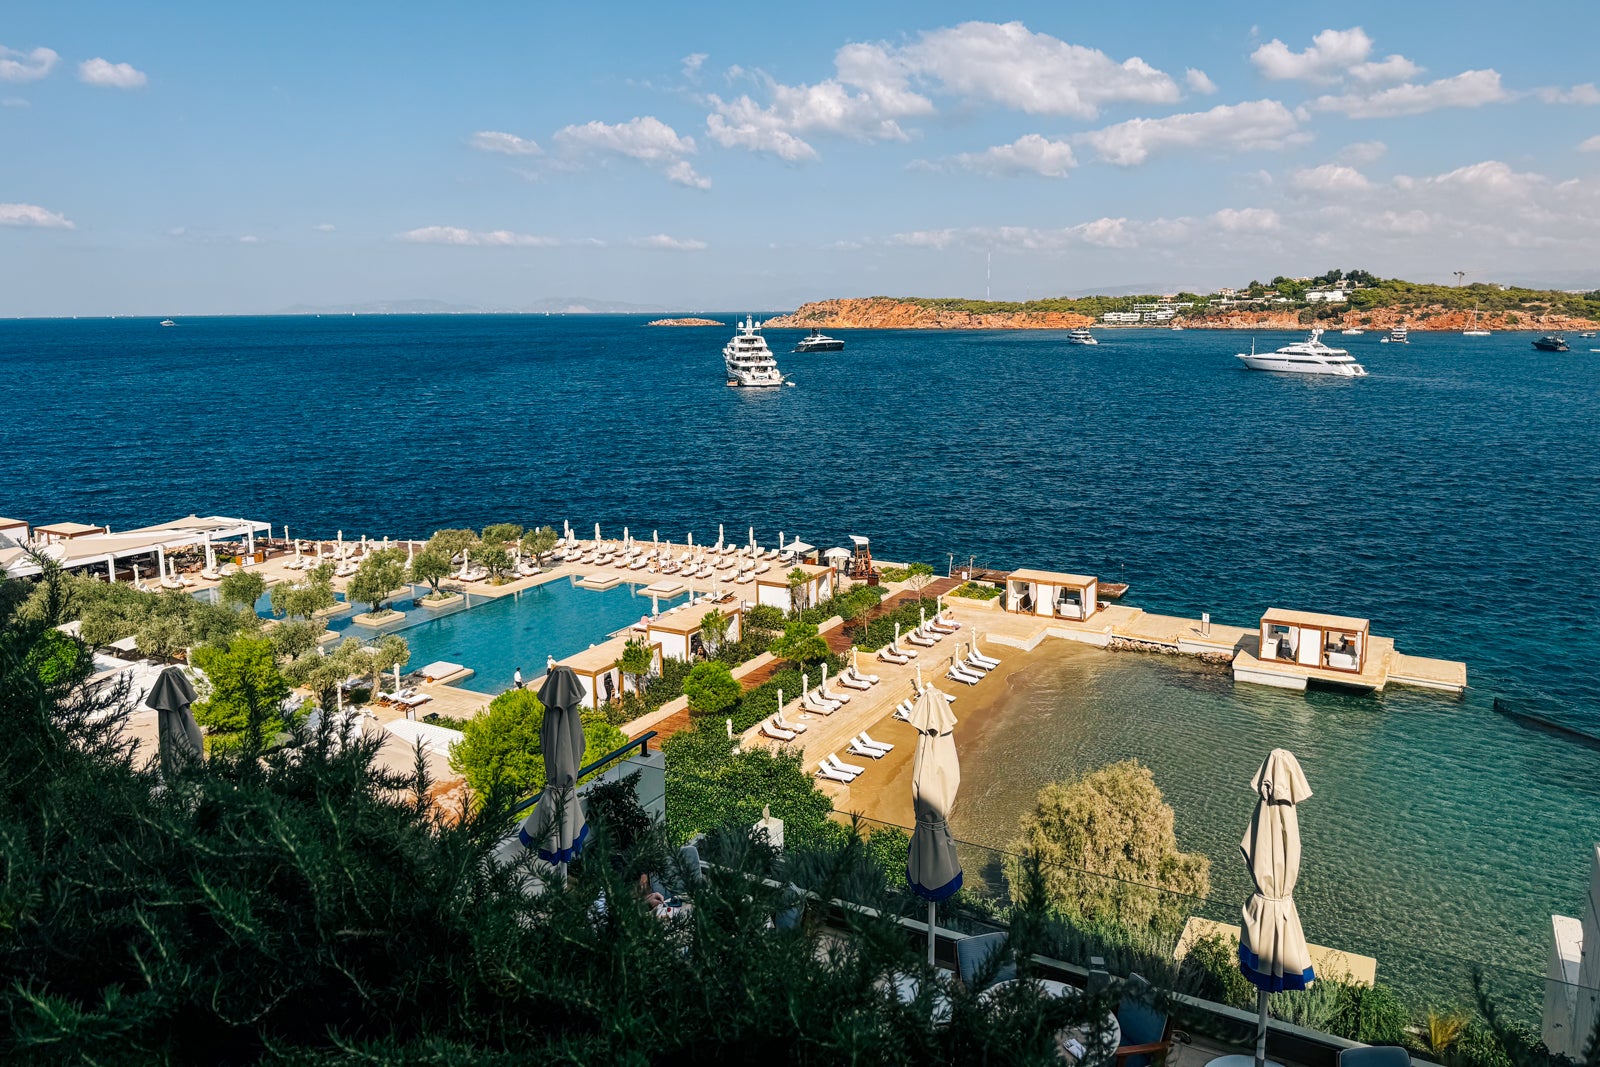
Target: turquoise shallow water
(1453, 497)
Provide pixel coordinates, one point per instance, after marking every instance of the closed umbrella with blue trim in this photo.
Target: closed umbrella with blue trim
(1272, 947)
(556, 827)
(932, 866)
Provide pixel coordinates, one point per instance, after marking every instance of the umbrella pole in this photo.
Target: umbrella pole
(1261, 1028)
(932, 909)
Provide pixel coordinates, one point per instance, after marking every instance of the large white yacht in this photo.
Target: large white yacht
(1081, 337)
(750, 363)
(1310, 356)
(1398, 336)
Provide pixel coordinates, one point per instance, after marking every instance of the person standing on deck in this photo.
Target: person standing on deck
(516, 678)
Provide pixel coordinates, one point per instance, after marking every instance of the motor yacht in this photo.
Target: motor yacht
(1310, 356)
(1354, 331)
(750, 363)
(1081, 337)
(1551, 342)
(1398, 335)
(817, 341)
(168, 322)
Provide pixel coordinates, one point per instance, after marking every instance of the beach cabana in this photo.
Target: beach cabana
(772, 589)
(55, 532)
(1309, 639)
(676, 633)
(1052, 594)
(597, 671)
(14, 530)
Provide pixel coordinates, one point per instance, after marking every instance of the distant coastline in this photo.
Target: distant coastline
(910, 313)
(685, 322)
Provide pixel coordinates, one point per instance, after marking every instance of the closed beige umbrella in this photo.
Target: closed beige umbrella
(1272, 947)
(932, 866)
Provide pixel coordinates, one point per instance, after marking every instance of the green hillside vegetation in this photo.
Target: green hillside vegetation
(1374, 292)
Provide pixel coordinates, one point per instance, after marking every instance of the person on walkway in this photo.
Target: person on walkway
(516, 679)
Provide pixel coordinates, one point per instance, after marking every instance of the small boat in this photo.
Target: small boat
(1587, 333)
(1310, 356)
(1551, 342)
(1081, 336)
(1174, 326)
(1398, 335)
(749, 360)
(817, 341)
(1475, 331)
(168, 322)
(1354, 331)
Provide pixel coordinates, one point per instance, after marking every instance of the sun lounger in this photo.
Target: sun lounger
(917, 639)
(978, 657)
(888, 655)
(784, 724)
(947, 619)
(959, 673)
(832, 760)
(881, 750)
(638, 564)
(831, 775)
(902, 711)
(853, 683)
(856, 748)
(777, 733)
(870, 679)
(816, 706)
(940, 628)
(829, 694)
(909, 653)
(866, 739)
(978, 664)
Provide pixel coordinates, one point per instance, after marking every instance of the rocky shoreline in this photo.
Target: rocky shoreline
(685, 322)
(882, 313)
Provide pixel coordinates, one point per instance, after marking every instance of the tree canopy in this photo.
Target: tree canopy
(800, 643)
(242, 685)
(538, 543)
(500, 749)
(711, 688)
(430, 566)
(242, 589)
(378, 578)
(1107, 850)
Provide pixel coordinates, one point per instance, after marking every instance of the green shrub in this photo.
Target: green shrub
(977, 591)
(711, 688)
(765, 617)
(1211, 968)
(1373, 1015)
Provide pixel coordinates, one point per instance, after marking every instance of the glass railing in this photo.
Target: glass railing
(1188, 944)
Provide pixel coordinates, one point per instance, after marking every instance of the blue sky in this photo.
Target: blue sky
(166, 159)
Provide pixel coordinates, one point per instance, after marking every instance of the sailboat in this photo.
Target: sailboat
(1476, 330)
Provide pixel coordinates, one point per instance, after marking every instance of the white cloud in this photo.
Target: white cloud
(1362, 152)
(1198, 82)
(506, 144)
(108, 75)
(1028, 154)
(14, 101)
(876, 87)
(1247, 220)
(670, 244)
(1328, 178)
(1590, 145)
(1387, 71)
(18, 66)
(1472, 88)
(1256, 124)
(646, 139)
(33, 215)
(324, 227)
(1035, 73)
(1331, 54)
(1585, 94)
(692, 64)
(683, 173)
(455, 235)
(249, 239)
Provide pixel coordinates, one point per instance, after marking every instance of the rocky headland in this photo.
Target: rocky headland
(685, 322)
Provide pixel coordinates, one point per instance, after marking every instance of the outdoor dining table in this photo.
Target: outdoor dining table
(1086, 1045)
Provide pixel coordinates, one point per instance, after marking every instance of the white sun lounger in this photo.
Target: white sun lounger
(978, 657)
(889, 655)
(917, 639)
(960, 674)
(866, 739)
(853, 683)
(832, 760)
(940, 628)
(856, 748)
(978, 666)
(947, 619)
(870, 679)
(927, 630)
(816, 706)
(878, 751)
(909, 653)
(828, 773)
(777, 733)
(784, 724)
(838, 698)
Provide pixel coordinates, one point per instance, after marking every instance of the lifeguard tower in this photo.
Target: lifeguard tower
(861, 566)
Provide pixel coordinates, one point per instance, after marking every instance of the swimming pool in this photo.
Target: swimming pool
(521, 630)
(495, 636)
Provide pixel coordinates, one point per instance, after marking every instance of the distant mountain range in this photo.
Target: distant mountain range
(555, 305)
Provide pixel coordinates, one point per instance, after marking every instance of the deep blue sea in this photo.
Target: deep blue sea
(1453, 496)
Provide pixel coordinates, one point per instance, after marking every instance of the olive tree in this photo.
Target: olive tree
(538, 543)
(451, 543)
(242, 589)
(378, 578)
(430, 566)
(637, 661)
(714, 631)
(1107, 851)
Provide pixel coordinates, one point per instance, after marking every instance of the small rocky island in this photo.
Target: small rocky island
(685, 322)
